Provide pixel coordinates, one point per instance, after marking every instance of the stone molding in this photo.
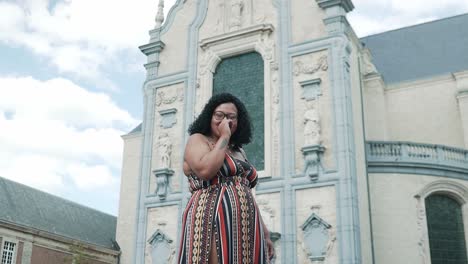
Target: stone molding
(347, 5)
(238, 34)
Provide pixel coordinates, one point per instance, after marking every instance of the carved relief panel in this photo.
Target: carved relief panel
(313, 109)
(166, 159)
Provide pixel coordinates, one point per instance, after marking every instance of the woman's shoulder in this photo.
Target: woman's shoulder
(197, 137)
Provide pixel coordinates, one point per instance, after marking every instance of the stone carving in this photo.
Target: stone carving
(300, 68)
(275, 112)
(318, 238)
(312, 157)
(205, 59)
(235, 14)
(268, 214)
(165, 150)
(367, 66)
(162, 251)
(268, 46)
(162, 181)
(163, 98)
(160, 15)
(311, 89)
(168, 117)
(312, 125)
(421, 220)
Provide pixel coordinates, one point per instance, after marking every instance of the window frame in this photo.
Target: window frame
(15, 250)
(452, 189)
(253, 39)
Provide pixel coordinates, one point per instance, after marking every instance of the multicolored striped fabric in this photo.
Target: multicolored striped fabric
(224, 209)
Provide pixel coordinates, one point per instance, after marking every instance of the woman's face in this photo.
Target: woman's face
(223, 111)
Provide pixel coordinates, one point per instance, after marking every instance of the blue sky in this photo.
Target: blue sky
(70, 85)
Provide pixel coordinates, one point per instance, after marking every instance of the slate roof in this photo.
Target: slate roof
(28, 207)
(136, 129)
(420, 51)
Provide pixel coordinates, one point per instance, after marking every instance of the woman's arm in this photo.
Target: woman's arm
(202, 160)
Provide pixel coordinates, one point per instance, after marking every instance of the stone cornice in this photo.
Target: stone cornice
(242, 33)
(346, 4)
(152, 47)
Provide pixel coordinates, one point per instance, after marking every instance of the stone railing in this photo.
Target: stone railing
(409, 154)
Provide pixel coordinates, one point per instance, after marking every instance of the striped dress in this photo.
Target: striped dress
(223, 208)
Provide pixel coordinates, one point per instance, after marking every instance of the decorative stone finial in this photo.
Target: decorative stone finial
(160, 15)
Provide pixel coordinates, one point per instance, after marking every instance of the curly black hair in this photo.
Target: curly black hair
(202, 123)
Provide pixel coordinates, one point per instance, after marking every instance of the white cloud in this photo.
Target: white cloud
(54, 133)
(370, 17)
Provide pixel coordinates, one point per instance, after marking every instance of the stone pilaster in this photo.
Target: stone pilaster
(461, 79)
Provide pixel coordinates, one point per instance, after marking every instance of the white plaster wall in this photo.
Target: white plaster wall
(126, 220)
(306, 21)
(324, 105)
(168, 97)
(174, 56)
(165, 219)
(425, 111)
(325, 198)
(394, 215)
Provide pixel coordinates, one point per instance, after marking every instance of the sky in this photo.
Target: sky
(71, 76)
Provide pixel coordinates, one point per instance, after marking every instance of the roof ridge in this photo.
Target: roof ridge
(415, 25)
(55, 196)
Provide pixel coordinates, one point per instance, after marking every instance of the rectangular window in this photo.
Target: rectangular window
(8, 252)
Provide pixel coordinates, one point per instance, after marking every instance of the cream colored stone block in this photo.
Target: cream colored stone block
(173, 58)
(397, 235)
(322, 201)
(306, 21)
(425, 111)
(166, 220)
(270, 210)
(129, 187)
(309, 67)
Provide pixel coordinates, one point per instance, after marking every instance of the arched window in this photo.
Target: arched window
(446, 230)
(243, 76)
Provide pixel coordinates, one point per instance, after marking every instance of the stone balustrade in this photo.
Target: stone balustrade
(382, 155)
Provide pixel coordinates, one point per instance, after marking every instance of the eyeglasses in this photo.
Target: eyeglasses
(218, 116)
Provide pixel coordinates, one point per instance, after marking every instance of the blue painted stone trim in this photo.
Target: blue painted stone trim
(165, 80)
(348, 229)
(347, 5)
(144, 175)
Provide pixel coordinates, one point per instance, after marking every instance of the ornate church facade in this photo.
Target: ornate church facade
(361, 144)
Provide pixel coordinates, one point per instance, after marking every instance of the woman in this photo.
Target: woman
(222, 223)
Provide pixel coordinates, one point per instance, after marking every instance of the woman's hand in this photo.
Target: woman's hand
(224, 128)
(270, 248)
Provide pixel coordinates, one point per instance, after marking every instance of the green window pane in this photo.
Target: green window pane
(446, 231)
(243, 77)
